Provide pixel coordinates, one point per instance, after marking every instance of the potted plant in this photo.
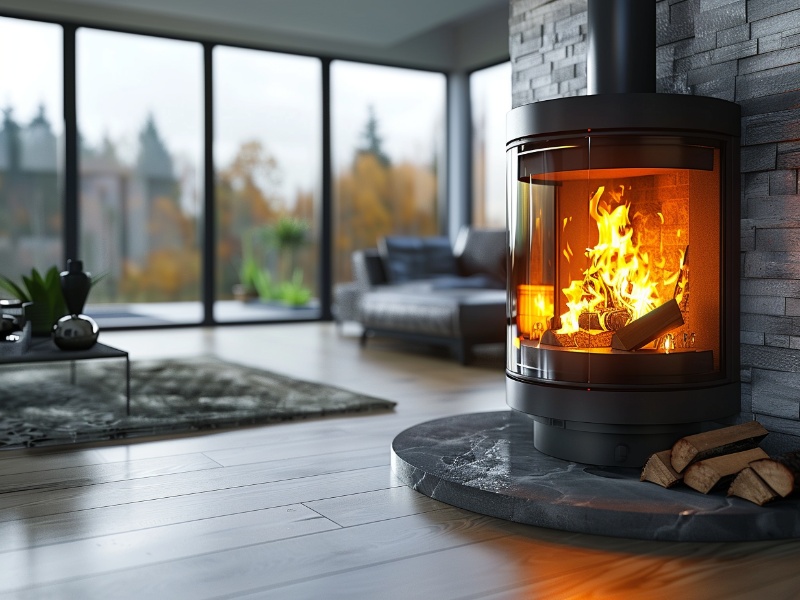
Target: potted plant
(290, 235)
(246, 289)
(251, 275)
(277, 279)
(293, 293)
(44, 294)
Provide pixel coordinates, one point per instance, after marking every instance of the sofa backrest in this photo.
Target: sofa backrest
(409, 258)
(477, 253)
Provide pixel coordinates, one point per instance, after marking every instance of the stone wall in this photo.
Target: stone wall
(746, 51)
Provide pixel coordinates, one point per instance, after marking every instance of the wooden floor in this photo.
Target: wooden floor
(311, 509)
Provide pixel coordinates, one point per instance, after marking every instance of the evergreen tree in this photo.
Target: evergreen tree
(372, 140)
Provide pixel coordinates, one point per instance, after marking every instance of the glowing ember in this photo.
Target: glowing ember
(618, 286)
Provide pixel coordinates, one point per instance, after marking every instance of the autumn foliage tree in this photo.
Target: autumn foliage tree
(171, 270)
(246, 197)
(376, 197)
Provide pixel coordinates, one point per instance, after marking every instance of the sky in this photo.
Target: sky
(273, 97)
(409, 106)
(30, 70)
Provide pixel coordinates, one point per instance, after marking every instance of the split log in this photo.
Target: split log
(750, 486)
(658, 469)
(714, 443)
(644, 330)
(781, 473)
(705, 475)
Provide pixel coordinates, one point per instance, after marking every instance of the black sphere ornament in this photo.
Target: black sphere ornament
(75, 332)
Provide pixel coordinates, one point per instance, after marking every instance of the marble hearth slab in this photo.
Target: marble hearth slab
(486, 463)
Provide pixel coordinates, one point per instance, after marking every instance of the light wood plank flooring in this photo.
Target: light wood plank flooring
(310, 509)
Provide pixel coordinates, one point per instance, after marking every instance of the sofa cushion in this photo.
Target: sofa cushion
(468, 314)
(403, 258)
(439, 259)
(472, 282)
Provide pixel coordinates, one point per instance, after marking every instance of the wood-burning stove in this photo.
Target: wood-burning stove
(623, 216)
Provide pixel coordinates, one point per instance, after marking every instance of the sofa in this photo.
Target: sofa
(423, 289)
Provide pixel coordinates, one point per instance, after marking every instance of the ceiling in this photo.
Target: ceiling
(378, 23)
(449, 35)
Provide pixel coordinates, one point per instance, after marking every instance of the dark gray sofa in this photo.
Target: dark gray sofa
(422, 289)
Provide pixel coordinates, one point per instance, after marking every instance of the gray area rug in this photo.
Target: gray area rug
(40, 407)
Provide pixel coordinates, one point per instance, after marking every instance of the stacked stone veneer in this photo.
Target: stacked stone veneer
(746, 51)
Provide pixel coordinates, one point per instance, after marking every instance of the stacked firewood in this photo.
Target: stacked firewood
(730, 457)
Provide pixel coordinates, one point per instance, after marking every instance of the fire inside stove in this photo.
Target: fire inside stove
(601, 258)
(637, 265)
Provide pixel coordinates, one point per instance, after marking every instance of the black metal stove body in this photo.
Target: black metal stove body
(620, 204)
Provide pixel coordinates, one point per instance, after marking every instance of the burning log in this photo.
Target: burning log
(554, 338)
(750, 486)
(589, 320)
(606, 320)
(781, 473)
(645, 329)
(707, 474)
(614, 320)
(595, 338)
(715, 443)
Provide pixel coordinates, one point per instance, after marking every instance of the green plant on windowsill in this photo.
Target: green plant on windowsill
(44, 294)
(249, 273)
(294, 293)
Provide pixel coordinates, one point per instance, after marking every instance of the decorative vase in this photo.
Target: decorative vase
(75, 286)
(75, 332)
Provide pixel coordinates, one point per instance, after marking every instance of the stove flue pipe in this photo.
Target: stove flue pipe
(622, 47)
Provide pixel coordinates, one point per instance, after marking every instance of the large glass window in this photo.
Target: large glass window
(140, 119)
(388, 129)
(31, 141)
(140, 108)
(268, 160)
(490, 98)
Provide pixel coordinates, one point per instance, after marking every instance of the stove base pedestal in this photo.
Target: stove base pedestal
(606, 445)
(487, 463)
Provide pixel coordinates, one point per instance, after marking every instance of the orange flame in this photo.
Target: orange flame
(618, 276)
(534, 310)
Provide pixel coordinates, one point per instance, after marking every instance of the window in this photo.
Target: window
(140, 109)
(490, 97)
(388, 129)
(139, 192)
(268, 161)
(31, 142)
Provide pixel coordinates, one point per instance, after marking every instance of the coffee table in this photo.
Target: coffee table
(44, 350)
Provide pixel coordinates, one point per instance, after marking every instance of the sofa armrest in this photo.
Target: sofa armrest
(482, 252)
(368, 268)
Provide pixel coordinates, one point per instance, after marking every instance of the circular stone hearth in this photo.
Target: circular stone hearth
(486, 463)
